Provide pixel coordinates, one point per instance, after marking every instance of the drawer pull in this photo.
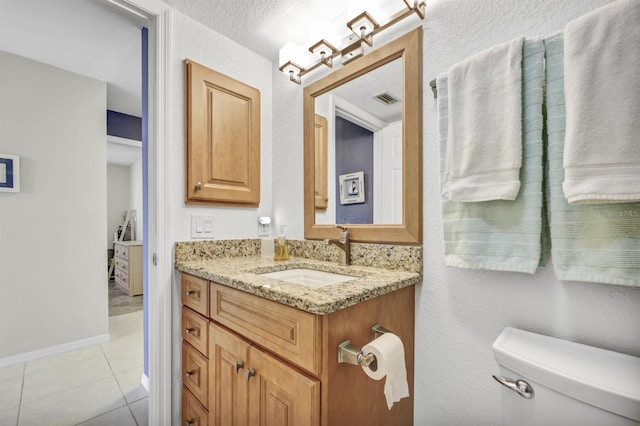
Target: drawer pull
(198, 186)
(190, 422)
(189, 330)
(249, 374)
(237, 365)
(190, 373)
(190, 292)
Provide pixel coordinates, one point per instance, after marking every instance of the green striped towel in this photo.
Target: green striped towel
(501, 235)
(589, 242)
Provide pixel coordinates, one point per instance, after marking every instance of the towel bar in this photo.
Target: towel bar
(434, 89)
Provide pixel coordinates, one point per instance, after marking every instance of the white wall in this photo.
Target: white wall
(117, 198)
(190, 39)
(461, 312)
(52, 233)
(135, 195)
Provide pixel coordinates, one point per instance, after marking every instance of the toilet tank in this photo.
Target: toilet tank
(571, 383)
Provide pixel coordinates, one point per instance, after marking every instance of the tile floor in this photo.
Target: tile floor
(98, 385)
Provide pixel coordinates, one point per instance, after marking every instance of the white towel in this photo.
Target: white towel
(602, 89)
(590, 242)
(501, 235)
(484, 148)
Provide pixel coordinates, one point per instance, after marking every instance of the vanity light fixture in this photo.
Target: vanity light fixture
(295, 62)
(363, 26)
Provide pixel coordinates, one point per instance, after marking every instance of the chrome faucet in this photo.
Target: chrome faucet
(343, 244)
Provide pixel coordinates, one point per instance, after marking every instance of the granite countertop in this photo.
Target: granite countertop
(242, 273)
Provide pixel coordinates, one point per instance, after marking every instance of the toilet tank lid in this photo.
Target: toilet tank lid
(606, 379)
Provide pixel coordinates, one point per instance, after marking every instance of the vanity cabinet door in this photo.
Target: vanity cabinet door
(223, 139)
(279, 394)
(228, 388)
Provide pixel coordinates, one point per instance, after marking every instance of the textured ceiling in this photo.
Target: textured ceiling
(263, 26)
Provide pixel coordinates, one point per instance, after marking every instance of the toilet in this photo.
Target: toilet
(550, 381)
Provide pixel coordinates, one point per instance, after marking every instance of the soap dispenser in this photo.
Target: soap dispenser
(281, 251)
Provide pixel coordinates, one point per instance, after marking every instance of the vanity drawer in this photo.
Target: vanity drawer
(195, 293)
(195, 330)
(122, 264)
(193, 413)
(195, 373)
(121, 251)
(288, 332)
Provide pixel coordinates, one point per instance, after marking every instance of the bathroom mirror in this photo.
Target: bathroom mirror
(337, 185)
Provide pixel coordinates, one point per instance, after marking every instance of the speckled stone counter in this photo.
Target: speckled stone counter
(243, 270)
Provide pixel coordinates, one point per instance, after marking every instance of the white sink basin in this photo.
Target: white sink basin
(309, 277)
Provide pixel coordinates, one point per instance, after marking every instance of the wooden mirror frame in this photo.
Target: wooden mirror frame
(409, 48)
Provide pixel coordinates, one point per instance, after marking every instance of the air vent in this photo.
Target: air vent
(386, 98)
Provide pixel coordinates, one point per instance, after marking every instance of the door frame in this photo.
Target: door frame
(156, 17)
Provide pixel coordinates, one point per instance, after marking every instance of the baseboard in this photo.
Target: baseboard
(53, 350)
(144, 381)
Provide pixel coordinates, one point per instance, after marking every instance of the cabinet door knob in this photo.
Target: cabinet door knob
(189, 373)
(190, 422)
(249, 374)
(237, 365)
(189, 330)
(198, 186)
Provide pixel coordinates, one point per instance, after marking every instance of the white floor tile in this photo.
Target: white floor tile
(11, 372)
(122, 360)
(65, 358)
(65, 377)
(120, 417)
(10, 394)
(141, 411)
(130, 385)
(125, 325)
(9, 417)
(74, 406)
(123, 342)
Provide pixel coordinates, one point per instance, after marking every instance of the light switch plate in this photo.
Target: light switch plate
(202, 225)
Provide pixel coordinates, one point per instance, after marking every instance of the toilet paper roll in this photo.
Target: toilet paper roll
(389, 352)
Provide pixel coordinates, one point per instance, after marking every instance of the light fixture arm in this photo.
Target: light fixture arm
(327, 52)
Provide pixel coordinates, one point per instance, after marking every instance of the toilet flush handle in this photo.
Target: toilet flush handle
(519, 386)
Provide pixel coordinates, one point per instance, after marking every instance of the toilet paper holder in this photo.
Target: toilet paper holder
(351, 354)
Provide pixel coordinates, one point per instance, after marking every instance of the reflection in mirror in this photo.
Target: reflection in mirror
(359, 129)
(362, 163)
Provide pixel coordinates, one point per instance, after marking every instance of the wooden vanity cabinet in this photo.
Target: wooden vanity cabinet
(272, 364)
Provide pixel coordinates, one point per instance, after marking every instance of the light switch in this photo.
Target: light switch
(202, 226)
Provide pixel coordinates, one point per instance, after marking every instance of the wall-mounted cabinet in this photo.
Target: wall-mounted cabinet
(222, 139)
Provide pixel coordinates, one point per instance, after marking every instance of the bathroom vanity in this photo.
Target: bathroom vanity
(260, 350)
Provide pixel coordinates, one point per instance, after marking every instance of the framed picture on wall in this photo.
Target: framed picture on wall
(352, 188)
(9, 173)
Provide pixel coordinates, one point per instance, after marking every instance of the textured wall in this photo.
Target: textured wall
(461, 312)
(190, 39)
